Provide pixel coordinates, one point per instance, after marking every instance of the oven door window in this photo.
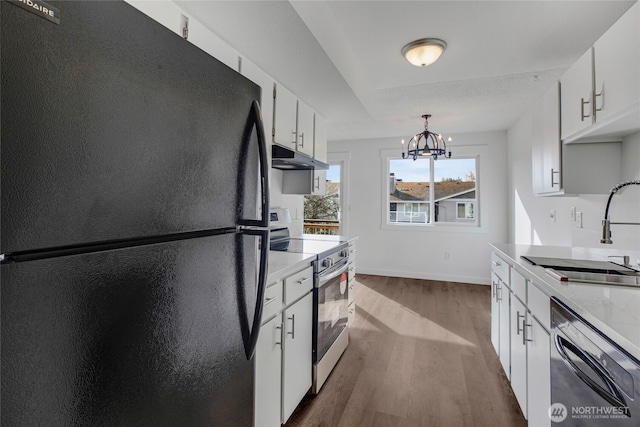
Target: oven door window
(332, 306)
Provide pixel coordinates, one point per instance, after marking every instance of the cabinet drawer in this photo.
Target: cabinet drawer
(297, 285)
(272, 300)
(538, 304)
(519, 285)
(500, 267)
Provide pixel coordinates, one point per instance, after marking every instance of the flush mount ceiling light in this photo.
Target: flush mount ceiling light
(434, 144)
(424, 52)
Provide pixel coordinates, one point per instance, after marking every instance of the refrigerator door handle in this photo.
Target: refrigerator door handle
(255, 119)
(251, 340)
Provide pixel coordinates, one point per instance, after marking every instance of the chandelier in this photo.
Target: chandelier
(434, 144)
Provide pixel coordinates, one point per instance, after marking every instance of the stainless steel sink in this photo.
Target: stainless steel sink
(587, 271)
(617, 278)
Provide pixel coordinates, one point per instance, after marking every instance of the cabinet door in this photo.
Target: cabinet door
(262, 79)
(505, 351)
(284, 117)
(617, 66)
(576, 86)
(495, 313)
(546, 145)
(268, 360)
(519, 353)
(319, 185)
(305, 129)
(320, 137)
(297, 352)
(538, 372)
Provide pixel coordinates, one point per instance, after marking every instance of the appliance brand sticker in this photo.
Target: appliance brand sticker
(39, 8)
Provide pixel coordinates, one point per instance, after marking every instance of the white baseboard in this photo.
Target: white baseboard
(426, 276)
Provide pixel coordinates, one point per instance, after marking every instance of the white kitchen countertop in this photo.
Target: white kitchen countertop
(282, 264)
(614, 310)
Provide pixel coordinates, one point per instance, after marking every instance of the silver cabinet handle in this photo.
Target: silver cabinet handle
(293, 326)
(301, 281)
(494, 288)
(302, 140)
(279, 327)
(518, 316)
(499, 298)
(496, 263)
(294, 136)
(318, 182)
(595, 95)
(269, 301)
(582, 104)
(553, 172)
(524, 332)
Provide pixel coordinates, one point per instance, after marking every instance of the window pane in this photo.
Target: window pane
(455, 190)
(322, 213)
(409, 191)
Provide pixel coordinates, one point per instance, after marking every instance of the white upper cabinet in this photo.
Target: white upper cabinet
(600, 93)
(546, 147)
(577, 90)
(320, 136)
(617, 86)
(304, 143)
(285, 106)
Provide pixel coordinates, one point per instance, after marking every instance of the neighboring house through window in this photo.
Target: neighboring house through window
(425, 191)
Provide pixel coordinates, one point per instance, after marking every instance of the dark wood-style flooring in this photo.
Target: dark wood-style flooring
(420, 354)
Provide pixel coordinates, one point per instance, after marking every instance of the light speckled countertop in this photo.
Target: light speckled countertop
(614, 310)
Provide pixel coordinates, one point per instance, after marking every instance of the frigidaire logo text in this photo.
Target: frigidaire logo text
(39, 8)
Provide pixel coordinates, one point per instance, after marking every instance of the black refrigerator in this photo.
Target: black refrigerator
(134, 200)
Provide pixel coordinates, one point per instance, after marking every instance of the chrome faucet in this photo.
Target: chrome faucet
(606, 224)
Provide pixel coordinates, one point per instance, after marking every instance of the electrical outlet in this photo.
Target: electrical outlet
(552, 215)
(573, 213)
(578, 221)
(447, 255)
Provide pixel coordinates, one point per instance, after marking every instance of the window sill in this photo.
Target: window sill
(441, 227)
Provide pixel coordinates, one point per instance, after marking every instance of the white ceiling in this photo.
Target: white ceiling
(343, 57)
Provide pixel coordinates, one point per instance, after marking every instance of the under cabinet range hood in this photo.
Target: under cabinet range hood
(287, 159)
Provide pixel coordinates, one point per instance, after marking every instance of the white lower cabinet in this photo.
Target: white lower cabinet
(495, 313)
(505, 332)
(268, 374)
(538, 374)
(520, 319)
(297, 354)
(283, 359)
(519, 353)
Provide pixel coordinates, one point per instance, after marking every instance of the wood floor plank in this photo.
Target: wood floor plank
(420, 354)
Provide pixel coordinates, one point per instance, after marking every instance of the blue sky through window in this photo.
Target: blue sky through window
(409, 170)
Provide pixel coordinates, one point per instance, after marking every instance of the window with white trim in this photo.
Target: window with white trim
(424, 191)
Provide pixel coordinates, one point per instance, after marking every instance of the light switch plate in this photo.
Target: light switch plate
(578, 221)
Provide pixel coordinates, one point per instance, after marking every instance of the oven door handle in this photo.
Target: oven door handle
(613, 396)
(344, 268)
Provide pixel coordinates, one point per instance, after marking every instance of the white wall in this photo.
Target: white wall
(529, 221)
(419, 252)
